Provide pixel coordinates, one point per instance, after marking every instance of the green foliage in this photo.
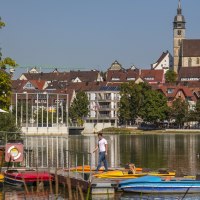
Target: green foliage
(22, 110)
(195, 114)
(179, 111)
(42, 117)
(5, 90)
(8, 127)
(2, 24)
(79, 108)
(138, 100)
(7, 62)
(170, 76)
(154, 107)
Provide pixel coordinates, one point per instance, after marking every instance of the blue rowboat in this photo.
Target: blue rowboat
(154, 184)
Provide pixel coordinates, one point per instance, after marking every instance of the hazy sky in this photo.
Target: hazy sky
(91, 34)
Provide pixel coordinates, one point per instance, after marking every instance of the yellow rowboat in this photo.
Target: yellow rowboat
(1, 179)
(121, 174)
(86, 168)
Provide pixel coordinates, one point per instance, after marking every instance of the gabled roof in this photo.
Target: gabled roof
(164, 54)
(56, 85)
(174, 90)
(152, 76)
(115, 66)
(191, 48)
(121, 75)
(18, 85)
(52, 76)
(84, 76)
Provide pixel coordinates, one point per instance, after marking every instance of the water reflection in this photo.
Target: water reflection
(173, 151)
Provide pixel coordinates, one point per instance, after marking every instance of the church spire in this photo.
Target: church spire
(179, 35)
(179, 10)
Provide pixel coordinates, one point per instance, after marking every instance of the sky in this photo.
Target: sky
(91, 34)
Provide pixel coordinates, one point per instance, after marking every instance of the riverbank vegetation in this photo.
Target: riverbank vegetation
(7, 120)
(139, 103)
(133, 131)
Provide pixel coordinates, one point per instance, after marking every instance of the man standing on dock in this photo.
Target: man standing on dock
(103, 150)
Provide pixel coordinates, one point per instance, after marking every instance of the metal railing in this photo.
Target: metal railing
(84, 158)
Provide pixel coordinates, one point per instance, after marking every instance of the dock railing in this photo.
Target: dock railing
(81, 159)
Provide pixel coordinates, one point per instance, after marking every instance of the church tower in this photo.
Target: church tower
(179, 35)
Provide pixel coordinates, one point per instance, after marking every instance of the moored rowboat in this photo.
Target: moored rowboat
(154, 184)
(124, 175)
(28, 177)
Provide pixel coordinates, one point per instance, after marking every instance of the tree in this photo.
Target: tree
(6, 61)
(7, 121)
(170, 76)
(154, 108)
(2, 24)
(5, 79)
(179, 112)
(79, 108)
(5, 90)
(8, 127)
(195, 114)
(124, 106)
(131, 102)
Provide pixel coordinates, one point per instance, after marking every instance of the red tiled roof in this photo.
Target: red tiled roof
(84, 76)
(191, 48)
(61, 76)
(152, 76)
(189, 72)
(122, 75)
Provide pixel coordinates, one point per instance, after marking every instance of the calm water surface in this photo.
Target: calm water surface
(178, 152)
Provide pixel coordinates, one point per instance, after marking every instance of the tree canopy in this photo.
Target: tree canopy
(79, 108)
(179, 112)
(139, 100)
(170, 76)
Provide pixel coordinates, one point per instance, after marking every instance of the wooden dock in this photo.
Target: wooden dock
(87, 180)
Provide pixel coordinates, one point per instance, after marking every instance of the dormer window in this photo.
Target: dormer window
(170, 90)
(149, 78)
(115, 79)
(130, 79)
(29, 86)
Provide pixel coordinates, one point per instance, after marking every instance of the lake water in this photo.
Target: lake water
(180, 152)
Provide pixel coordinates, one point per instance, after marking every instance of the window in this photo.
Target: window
(130, 79)
(115, 79)
(149, 78)
(189, 62)
(29, 86)
(179, 32)
(197, 61)
(170, 90)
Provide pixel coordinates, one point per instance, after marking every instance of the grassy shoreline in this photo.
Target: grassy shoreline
(133, 131)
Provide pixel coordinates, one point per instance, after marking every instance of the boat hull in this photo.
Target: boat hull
(150, 184)
(164, 190)
(29, 178)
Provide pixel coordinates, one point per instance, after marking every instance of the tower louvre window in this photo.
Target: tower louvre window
(189, 62)
(179, 32)
(197, 60)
